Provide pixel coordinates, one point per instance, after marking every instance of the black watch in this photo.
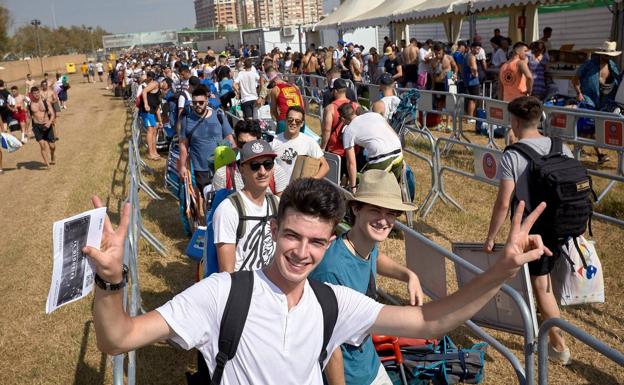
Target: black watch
(104, 285)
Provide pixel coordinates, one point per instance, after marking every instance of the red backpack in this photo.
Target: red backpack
(334, 144)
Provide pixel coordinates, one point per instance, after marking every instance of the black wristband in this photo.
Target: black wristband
(105, 285)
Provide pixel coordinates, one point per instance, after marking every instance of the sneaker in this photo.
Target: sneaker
(561, 357)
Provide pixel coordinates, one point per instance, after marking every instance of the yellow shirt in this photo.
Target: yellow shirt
(84, 69)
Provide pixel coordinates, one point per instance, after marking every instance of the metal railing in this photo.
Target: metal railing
(582, 336)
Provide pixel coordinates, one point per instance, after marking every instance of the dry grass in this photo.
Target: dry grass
(60, 348)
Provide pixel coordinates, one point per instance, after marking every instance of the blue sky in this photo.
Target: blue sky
(116, 16)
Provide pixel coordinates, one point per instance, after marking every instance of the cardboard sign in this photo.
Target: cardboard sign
(305, 167)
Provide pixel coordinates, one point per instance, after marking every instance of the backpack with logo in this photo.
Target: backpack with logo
(234, 319)
(566, 187)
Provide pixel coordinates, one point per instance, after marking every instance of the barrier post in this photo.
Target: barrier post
(594, 343)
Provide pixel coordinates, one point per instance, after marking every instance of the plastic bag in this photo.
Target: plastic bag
(573, 282)
(10, 143)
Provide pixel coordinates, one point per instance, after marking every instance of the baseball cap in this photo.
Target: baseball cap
(339, 84)
(386, 79)
(255, 149)
(194, 81)
(341, 42)
(388, 51)
(356, 50)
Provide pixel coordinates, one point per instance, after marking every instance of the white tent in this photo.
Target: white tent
(381, 14)
(346, 11)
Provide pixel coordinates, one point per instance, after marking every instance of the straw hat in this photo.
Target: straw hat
(608, 48)
(380, 188)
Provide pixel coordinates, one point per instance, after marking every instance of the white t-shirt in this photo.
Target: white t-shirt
(481, 55)
(422, 66)
(288, 150)
(277, 346)
(99, 67)
(499, 58)
(184, 99)
(372, 131)
(248, 82)
(256, 247)
(219, 180)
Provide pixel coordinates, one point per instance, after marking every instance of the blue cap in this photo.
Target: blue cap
(341, 42)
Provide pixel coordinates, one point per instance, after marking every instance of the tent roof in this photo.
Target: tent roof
(426, 9)
(382, 13)
(347, 11)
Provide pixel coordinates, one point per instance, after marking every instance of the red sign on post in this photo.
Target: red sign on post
(496, 113)
(559, 121)
(489, 165)
(613, 133)
(521, 24)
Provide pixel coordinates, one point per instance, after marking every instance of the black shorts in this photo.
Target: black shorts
(202, 179)
(545, 264)
(248, 108)
(43, 133)
(474, 90)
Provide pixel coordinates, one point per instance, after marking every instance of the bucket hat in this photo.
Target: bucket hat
(380, 188)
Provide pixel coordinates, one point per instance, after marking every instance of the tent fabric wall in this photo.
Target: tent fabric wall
(381, 14)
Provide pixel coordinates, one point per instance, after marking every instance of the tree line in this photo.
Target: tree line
(28, 40)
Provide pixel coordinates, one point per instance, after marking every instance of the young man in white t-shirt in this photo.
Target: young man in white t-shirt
(372, 132)
(246, 244)
(283, 334)
(291, 143)
(246, 86)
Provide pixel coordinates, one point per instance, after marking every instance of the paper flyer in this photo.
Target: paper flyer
(72, 272)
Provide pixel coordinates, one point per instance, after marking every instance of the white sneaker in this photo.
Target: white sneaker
(561, 357)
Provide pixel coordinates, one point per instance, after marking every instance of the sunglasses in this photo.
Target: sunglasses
(199, 102)
(267, 164)
(293, 120)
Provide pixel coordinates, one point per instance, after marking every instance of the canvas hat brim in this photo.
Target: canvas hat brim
(386, 203)
(609, 53)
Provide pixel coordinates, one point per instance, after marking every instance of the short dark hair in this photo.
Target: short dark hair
(438, 47)
(298, 109)
(461, 43)
(346, 111)
(34, 89)
(1, 83)
(14, 87)
(547, 30)
(314, 197)
(246, 126)
(527, 108)
(429, 41)
(247, 63)
(201, 90)
(520, 44)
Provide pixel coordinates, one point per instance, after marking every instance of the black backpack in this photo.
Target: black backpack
(566, 187)
(235, 316)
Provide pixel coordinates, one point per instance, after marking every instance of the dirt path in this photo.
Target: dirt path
(59, 348)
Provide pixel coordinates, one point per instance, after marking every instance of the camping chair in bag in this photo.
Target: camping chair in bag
(406, 112)
(390, 350)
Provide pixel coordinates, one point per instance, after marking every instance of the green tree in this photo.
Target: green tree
(5, 24)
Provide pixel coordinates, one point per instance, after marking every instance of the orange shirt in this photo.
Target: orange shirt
(513, 82)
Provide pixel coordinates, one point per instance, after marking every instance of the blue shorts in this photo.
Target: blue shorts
(149, 119)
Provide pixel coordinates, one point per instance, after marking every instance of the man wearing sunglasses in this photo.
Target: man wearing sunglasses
(242, 233)
(292, 143)
(230, 177)
(202, 130)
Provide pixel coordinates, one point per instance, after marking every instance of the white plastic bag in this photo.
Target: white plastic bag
(574, 285)
(10, 143)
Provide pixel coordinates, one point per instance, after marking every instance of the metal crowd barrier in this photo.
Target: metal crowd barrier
(496, 114)
(486, 169)
(584, 337)
(132, 302)
(609, 135)
(432, 286)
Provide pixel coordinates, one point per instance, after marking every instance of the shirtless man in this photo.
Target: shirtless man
(444, 69)
(17, 105)
(310, 63)
(30, 83)
(355, 65)
(43, 117)
(410, 63)
(48, 94)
